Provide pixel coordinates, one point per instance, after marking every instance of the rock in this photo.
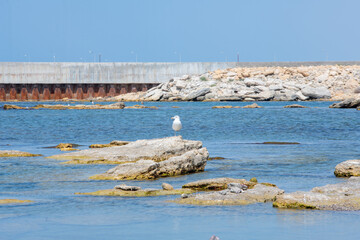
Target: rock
(138, 193)
(13, 153)
(277, 87)
(198, 93)
(9, 107)
(227, 106)
(357, 90)
(280, 143)
(125, 187)
(295, 106)
(166, 186)
(254, 180)
(348, 103)
(253, 82)
(343, 196)
(254, 105)
(259, 193)
(189, 162)
(64, 145)
(13, 201)
(155, 96)
(316, 93)
(285, 95)
(137, 106)
(150, 149)
(111, 144)
(215, 158)
(216, 184)
(348, 168)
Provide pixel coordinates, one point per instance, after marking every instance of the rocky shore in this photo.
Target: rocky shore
(258, 84)
(14, 153)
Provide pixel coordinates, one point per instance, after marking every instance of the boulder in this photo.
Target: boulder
(343, 196)
(235, 195)
(348, 168)
(253, 82)
(197, 93)
(166, 186)
(125, 187)
(316, 93)
(150, 149)
(347, 103)
(189, 162)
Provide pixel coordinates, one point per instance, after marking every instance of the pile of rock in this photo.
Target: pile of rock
(261, 84)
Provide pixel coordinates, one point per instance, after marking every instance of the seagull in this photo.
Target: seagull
(176, 124)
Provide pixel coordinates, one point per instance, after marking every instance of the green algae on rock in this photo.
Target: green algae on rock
(13, 153)
(14, 201)
(341, 196)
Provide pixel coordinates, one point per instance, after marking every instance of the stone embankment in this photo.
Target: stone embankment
(259, 84)
(144, 159)
(341, 196)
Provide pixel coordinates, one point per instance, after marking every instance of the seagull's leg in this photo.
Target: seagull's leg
(175, 133)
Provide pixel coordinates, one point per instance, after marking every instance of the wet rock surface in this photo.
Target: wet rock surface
(341, 196)
(14, 153)
(348, 168)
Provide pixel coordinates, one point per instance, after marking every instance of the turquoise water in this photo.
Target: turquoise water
(327, 137)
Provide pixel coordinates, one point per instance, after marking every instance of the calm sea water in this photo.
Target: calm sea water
(327, 137)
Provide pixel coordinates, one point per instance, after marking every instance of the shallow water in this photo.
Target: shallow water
(327, 137)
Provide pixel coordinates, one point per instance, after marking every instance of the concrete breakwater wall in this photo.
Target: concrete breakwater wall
(54, 81)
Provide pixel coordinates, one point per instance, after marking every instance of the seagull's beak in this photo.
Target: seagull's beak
(172, 118)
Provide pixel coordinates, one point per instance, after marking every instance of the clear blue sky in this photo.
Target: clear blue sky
(162, 30)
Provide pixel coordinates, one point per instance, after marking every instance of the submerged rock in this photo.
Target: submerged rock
(254, 105)
(139, 193)
(234, 196)
(348, 168)
(348, 103)
(295, 106)
(13, 153)
(14, 201)
(140, 107)
(341, 196)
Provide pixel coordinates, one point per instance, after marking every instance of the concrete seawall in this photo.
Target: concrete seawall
(54, 81)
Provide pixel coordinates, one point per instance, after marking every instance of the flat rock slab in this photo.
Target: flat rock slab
(348, 168)
(259, 193)
(341, 196)
(216, 184)
(13, 201)
(13, 153)
(139, 193)
(154, 149)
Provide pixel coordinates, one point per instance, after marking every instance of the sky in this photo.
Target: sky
(179, 30)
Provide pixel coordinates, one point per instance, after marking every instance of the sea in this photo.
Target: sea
(326, 136)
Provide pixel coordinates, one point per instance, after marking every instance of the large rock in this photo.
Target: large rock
(234, 195)
(348, 168)
(197, 93)
(347, 103)
(152, 149)
(249, 82)
(189, 162)
(341, 196)
(316, 93)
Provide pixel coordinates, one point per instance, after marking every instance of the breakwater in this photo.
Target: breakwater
(55, 81)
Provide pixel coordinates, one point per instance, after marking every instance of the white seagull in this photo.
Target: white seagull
(176, 124)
